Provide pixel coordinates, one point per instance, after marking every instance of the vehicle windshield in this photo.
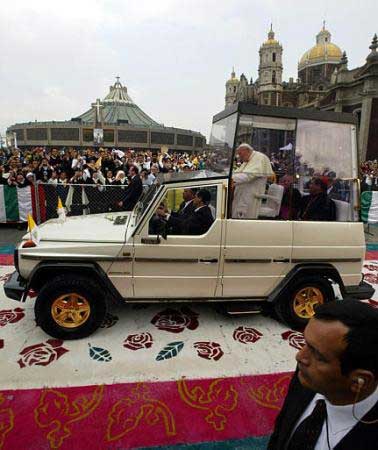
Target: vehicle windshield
(219, 153)
(149, 193)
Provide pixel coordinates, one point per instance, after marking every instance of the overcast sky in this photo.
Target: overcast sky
(173, 55)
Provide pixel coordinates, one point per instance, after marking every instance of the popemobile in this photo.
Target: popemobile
(270, 244)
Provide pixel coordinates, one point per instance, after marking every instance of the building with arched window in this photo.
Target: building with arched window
(115, 121)
(324, 82)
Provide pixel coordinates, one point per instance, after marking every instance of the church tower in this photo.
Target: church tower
(270, 72)
(232, 86)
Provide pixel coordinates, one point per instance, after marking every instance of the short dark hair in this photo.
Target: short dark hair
(135, 169)
(361, 339)
(204, 195)
(321, 183)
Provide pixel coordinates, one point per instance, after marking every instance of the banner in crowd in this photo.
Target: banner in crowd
(369, 207)
(16, 203)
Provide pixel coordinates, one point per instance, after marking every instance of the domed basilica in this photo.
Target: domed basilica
(324, 82)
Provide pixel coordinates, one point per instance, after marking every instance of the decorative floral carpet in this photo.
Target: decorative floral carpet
(151, 376)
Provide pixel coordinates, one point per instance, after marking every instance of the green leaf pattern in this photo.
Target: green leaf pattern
(171, 350)
(99, 354)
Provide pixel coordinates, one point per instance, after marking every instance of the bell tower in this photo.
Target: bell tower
(232, 87)
(270, 71)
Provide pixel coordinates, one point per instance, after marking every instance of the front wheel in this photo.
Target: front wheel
(70, 307)
(298, 304)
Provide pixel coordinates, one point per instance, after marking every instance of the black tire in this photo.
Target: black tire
(60, 286)
(286, 306)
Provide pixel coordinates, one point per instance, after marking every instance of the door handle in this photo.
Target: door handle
(281, 260)
(150, 240)
(208, 261)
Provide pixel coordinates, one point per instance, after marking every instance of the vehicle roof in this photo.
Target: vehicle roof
(198, 175)
(285, 112)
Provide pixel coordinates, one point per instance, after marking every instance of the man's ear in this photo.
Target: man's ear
(361, 380)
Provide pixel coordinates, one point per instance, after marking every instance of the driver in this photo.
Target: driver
(197, 222)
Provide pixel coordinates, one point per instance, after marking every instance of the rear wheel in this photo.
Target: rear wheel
(70, 307)
(298, 304)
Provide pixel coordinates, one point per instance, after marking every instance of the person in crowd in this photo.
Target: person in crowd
(44, 171)
(62, 179)
(54, 178)
(249, 180)
(147, 178)
(3, 180)
(317, 206)
(31, 178)
(109, 177)
(197, 222)
(21, 182)
(133, 191)
(291, 200)
(332, 401)
(334, 187)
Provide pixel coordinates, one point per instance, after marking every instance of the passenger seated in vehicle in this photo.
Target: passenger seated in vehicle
(291, 200)
(317, 205)
(196, 223)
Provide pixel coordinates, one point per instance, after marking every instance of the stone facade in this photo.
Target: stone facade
(324, 82)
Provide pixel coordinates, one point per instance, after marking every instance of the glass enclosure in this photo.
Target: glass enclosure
(312, 167)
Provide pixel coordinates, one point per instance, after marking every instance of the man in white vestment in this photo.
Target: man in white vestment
(249, 182)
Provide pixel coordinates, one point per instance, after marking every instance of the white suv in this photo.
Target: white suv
(277, 258)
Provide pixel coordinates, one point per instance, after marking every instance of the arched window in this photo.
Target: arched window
(274, 76)
(274, 57)
(234, 88)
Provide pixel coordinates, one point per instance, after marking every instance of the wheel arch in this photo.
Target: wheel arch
(323, 270)
(46, 270)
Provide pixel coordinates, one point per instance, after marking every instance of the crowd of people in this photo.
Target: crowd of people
(90, 166)
(369, 175)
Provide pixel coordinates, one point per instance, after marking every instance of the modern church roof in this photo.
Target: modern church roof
(118, 108)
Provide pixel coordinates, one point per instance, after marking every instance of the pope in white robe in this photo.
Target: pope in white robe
(249, 182)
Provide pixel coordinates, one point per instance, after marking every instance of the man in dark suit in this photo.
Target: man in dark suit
(133, 191)
(197, 222)
(317, 206)
(332, 402)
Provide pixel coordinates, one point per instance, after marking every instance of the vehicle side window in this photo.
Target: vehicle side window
(188, 211)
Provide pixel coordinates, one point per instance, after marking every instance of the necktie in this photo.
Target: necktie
(308, 431)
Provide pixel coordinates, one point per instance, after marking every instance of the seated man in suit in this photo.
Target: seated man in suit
(332, 401)
(317, 206)
(195, 223)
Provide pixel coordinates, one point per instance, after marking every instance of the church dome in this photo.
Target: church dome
(323, 52)
(234, 79)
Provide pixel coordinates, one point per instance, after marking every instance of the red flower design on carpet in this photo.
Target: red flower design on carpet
(11, 316)
(209, 350)
(138, 341)
(42, 354)
(295, 339)
(371, 267)
(176, 321)
(5, 277)
(247, 335)
(371, 278)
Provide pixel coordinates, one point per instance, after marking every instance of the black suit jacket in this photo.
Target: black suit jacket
(318, 207)
(132, 193)
(186, 211)
(360, 437)
(198, 222)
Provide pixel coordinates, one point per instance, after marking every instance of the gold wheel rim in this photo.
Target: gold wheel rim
(70, 310)
(306, 301)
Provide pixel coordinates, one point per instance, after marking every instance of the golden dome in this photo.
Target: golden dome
(323, 51)
(234, 79)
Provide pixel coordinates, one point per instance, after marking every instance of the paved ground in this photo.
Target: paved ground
(151, 376)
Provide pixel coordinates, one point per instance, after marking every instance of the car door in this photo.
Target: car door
(256, 256)
(182, 266)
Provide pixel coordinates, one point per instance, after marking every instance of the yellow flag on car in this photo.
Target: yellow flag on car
(33, 230)
(61, 211)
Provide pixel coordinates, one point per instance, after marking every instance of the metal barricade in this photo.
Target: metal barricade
(78, 199)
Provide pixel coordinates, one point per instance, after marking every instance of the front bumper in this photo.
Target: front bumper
(15, 287)
(361, 292)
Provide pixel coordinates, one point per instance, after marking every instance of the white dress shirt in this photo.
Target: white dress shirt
(340, 419)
